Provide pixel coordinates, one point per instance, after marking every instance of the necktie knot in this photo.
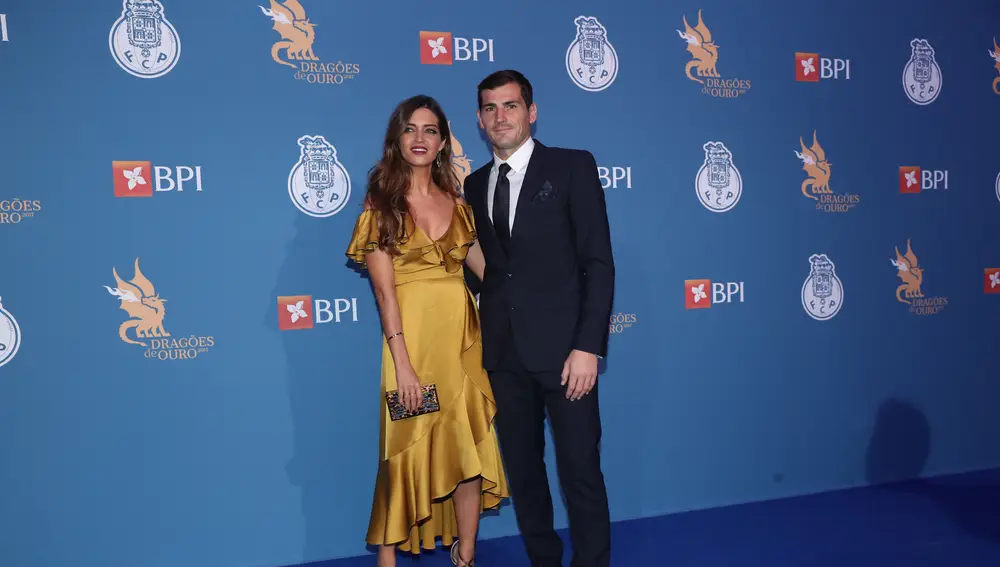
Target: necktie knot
(504, 169)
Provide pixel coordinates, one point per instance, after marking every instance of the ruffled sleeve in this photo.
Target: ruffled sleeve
(365, 237)
(466, 225)
(462, 236)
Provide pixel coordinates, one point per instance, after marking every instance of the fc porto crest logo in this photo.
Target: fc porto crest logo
(718, 184)
(591, 60)
(822, 292)
(318, 184)
(143, 42)
(922, 75)
(10, 335)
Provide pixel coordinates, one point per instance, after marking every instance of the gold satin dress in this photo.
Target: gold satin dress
(424, 458)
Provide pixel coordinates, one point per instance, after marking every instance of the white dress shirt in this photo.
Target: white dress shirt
(518, 162)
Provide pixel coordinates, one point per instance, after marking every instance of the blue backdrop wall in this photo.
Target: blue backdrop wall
(804, 204)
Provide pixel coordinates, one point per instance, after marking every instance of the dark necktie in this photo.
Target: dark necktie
(501, 206)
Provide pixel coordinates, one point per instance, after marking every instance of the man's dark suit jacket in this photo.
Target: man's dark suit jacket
(555, 289)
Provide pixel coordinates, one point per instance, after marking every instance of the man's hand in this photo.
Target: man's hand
(580, 371)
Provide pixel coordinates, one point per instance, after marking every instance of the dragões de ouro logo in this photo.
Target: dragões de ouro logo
(591, 60)
(318, 184)
(146, 310)
(10, 335)
(816, 185)
(910, 290)
(298, 33)
(142, 41)
(822, 292)
(704, 59)
(13, 211)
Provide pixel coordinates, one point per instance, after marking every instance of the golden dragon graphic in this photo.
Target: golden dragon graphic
(296, 30)
(814, 163)
(704, 51)
(995, 54)
(910, 272)
(145, 307)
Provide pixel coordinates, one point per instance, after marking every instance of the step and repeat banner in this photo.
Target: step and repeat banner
(804, 203)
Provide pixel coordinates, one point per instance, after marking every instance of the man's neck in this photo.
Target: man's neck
(504, 155)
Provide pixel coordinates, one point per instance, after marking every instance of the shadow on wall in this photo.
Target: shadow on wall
(900, 444)
(897, 454)
(312, 467)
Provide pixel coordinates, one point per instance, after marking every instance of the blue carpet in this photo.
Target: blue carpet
(951, 521)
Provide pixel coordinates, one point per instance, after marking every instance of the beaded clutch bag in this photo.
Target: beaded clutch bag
(398, 411)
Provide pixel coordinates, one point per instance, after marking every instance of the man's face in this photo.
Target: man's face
(506, 119)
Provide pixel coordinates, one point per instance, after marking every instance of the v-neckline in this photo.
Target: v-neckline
(451, 222)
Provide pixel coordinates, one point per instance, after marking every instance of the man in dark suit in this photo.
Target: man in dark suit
(545, 306)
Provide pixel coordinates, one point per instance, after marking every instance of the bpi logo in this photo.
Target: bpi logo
(297, 312)
(318, 184)
(810, 68)
(3, 28)
(922, 76)
(718, 184)
(591, 60)
(10, 335)
(991, 284)
(914, 179)
(141, 178)
(440, 48)
(696, 293)
(615, 176)
(142, 41)
(822, 292)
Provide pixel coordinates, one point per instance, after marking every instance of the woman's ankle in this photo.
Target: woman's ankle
(466, 550)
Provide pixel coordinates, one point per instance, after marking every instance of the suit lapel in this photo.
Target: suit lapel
(532, 184)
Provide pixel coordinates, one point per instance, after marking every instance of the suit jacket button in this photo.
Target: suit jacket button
(509, 276)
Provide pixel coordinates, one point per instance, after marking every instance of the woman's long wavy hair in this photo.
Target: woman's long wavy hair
(389, 179)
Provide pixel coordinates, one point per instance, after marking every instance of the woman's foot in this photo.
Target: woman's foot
(458, 552)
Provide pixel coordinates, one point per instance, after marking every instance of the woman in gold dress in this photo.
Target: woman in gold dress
(437, 471)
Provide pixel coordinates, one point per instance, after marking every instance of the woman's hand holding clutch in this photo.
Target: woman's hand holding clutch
(409, 387)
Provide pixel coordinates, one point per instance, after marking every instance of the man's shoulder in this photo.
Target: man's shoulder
(477, 179)
(483, 170)
(557, 153)
(571, 158)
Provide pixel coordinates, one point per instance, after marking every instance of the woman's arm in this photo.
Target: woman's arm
(475, 259)
(380, 267)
